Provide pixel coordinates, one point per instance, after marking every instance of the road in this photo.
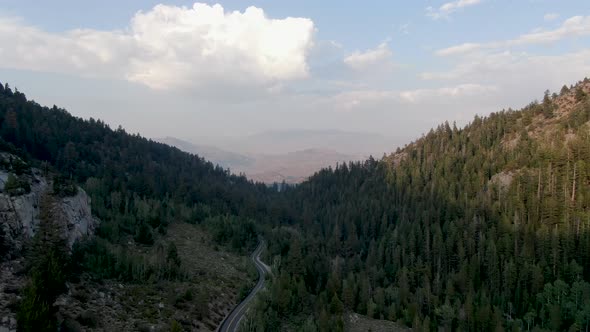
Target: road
(232, 321)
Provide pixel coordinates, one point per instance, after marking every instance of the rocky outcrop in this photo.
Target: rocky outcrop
(19, 214)
(502, 180)
(20, 209)
(78, 219)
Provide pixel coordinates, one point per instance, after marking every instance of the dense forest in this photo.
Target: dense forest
(137, 186)
(485, 227)
(481, 228)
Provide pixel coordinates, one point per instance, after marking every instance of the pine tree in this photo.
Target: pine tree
(48, 260)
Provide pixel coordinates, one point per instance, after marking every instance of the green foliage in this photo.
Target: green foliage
(482, 228)
(15, 186)
(239, 233)
(64, 187)
(176, 327)
(19, 167)
(48, 268)
(35, 313)
(144, 235)
(106, 261)
(120, 162)
(580, 94)
(137, 186)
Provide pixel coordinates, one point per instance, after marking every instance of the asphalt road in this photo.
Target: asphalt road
(232, 321)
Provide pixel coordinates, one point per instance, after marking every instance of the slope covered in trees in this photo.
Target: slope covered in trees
(124, 173)
(481, 228)
(138, 187)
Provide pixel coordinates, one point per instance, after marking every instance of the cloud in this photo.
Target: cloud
(550, 17)
(458, 91)
(572, 27)
(448, 8)
(381, 55)
(517, 67)
(459, 49)
(404, 29)
(171, 47)
(577, 26)
(359, 99)
(521, 77)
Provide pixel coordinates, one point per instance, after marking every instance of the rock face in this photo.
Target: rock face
(78, 216)
(19, 214)
(20, 208)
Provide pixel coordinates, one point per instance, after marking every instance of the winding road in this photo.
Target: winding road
(232, 321)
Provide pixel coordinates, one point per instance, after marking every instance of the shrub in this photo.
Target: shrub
(15, 186)
(144, 235)
(64, 187)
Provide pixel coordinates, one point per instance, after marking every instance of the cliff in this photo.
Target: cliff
(21, 192)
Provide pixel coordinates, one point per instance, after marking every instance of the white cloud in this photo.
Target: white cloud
(360, 99)
(517, 67)
(363, 60)
(572, 27)
(521, 77)
(550, 17)
(577, 26)
(171, 47)
(457, 91)
(404, 29)
(448, 8)
(458, 49)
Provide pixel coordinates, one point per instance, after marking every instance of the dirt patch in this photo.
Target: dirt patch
(357, 323)
(502, 180)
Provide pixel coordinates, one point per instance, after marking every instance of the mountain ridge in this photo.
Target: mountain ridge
(485, 227)
(291, 167)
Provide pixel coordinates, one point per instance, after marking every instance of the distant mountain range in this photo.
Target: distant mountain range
(283, 141)
(213, 154)
(291, 167)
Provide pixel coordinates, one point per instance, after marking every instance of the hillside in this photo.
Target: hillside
(156, 221)
(485, 227)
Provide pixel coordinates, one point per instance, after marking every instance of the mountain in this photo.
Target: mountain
(223, 158)
(292, 167)
(281, 141)
(485, 227)
(170, 233)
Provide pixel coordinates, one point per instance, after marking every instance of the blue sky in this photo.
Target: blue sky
(395, 68)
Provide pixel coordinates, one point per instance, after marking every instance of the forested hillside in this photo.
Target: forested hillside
(138, 188)
(485, 227)
(122, 171)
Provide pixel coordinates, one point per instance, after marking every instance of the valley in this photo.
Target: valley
(291, 168)
(482, 227)
(463, 228)
(294, 166)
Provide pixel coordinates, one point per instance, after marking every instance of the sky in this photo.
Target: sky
(208, 71)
